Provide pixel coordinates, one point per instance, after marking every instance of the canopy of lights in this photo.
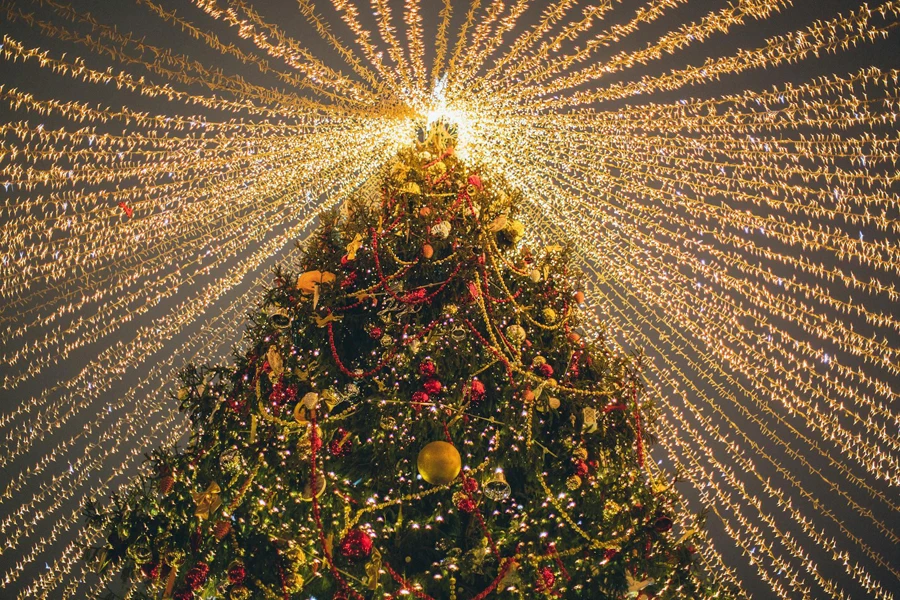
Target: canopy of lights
(734, 207)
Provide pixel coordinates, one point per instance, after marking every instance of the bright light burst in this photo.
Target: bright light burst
(743, 234)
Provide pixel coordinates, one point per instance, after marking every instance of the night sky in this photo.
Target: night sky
(125, 385)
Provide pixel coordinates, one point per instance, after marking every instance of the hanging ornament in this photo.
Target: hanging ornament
(432, 387)
(418, 400)
(549, 315)
(221, 529)
(476, 391)
(547, 580)
(166, 483)
(341, 444)
(307, 493)
(441, 229)
(280, 317)
(663, 523)
(496, 487)
(427, 368)
(579, 297)
(197, 576)
(439, 463)
(355, 545)
(464, 503)
(427, 251)
(590, 419)
(516, 334)
(237, 573)
(573, 482)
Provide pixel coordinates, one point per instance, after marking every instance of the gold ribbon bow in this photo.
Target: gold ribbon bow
(207, 502)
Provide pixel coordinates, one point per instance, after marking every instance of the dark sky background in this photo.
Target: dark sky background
(130, 17)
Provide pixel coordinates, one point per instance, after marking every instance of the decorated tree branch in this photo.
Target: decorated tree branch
(417, 411)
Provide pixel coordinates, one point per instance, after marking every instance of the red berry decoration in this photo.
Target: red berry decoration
(548, 578)
(341, 445)
(236, 573)
(427, 368)
(418, 399)
(376, 333)
(432, 387)
(545, 370)
(356, 545)
(349, 280)
(470, 485)
(197, 576)
(466, 505)
(183, 595)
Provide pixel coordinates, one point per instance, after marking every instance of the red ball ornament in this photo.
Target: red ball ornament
(432, 387)
(376, 333)
(545, 370)
(427, 368)
(476, 390)
(581, 468)
(237, 573)
(356, 545)
(197, 576)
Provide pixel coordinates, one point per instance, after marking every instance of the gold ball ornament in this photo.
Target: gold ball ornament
(516, 334)
(439, 463)
(535, 275)
(549, 315)
(573, 482)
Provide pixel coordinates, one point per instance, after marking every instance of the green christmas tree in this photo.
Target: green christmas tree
(414, 414)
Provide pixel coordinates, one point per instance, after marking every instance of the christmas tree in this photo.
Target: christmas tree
(414, 413)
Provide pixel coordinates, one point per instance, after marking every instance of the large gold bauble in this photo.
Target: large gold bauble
(439, 463)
